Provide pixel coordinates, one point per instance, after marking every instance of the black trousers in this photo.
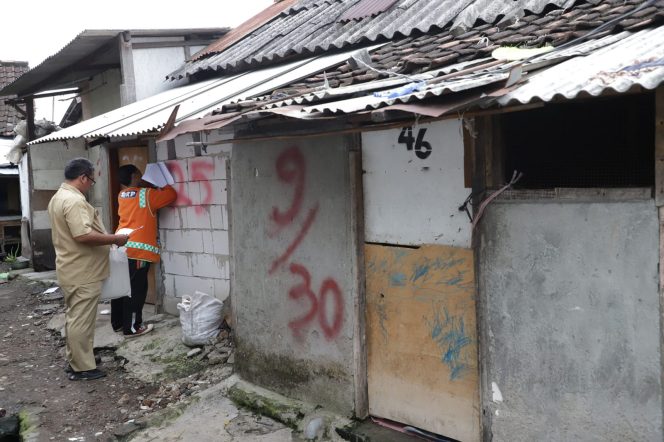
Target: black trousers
(126, 312)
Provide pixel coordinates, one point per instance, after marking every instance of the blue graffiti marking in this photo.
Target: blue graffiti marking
(450, 335)
(446, 264)
(456, 280)
(397, 279)
(420, 271)
(398, 254)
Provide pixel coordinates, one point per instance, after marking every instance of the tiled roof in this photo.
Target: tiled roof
(434, 50)
(9, 71)
(314, 26)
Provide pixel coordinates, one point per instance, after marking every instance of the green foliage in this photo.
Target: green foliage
(12, 255)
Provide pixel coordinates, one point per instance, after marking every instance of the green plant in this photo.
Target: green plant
(12, 255)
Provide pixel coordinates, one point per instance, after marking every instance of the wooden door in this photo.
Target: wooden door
(421, 337)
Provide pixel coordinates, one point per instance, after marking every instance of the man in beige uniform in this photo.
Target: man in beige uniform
(81, 264)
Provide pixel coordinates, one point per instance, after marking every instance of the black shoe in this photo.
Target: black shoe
(87, 375)
(68, 368)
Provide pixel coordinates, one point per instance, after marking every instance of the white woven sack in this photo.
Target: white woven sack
(200, 317)
(118, 283)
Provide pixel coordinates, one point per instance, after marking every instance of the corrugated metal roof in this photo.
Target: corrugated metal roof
(635, 60)
(64, 68)
(340, 92)
(195, 100)
(313, 26)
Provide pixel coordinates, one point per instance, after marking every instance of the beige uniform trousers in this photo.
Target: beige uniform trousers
(81, 301)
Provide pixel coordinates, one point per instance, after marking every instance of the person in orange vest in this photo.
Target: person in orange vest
(138, 203)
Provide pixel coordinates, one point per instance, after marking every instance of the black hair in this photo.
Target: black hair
(125, 173)
(77, 167)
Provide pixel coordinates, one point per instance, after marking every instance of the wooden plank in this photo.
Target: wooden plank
(137, 155)
(659, 147)
(357, 225)
(469, 135)
(422, 340)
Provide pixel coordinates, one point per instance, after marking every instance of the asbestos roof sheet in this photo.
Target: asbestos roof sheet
(617, 62)
(637, 60)
(194, 100)
(424, 53)
(366, 8)
(314, 26)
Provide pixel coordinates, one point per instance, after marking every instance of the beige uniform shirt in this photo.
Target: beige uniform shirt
(71, 216)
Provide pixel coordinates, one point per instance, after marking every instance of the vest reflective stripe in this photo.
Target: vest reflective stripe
(142, 202)
(142, 246)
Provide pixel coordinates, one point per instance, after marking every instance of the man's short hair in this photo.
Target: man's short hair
(77, 167)
(125, 173)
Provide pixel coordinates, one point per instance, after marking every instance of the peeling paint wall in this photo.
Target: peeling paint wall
(570, 299)
(295, 275)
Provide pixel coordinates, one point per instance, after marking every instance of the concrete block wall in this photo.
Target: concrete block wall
(194, 231)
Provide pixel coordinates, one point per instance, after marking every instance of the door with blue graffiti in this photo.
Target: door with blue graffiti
(420, 282)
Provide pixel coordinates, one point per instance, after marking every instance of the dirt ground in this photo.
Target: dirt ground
(32, 373)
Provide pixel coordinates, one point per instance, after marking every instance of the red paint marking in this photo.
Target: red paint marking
(311, 216)
(180, 186)
(291, 169)
(330, 286)
(317, 305)
(302, 291)
(199, 172)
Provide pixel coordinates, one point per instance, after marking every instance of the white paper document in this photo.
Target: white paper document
(158, 174)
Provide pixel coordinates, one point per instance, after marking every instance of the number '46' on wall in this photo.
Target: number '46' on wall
(422, 148)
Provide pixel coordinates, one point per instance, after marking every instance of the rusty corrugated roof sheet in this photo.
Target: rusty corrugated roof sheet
(366, 8)
(9, 117)
(245, 28)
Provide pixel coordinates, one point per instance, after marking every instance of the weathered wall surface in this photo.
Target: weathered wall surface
(103, 95)
(151, 65)
(414, 185)
(295, 274)
(570, 299)
(194, 231)
(47, 163)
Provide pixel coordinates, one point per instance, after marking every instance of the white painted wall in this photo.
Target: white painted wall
(413, 201)
(151, 67)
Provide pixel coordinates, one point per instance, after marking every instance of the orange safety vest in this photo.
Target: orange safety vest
(137, 207)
